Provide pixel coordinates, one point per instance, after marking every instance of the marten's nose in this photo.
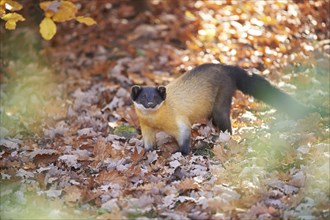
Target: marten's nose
(150, 104)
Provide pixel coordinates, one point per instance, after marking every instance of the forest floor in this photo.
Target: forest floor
(70, 143)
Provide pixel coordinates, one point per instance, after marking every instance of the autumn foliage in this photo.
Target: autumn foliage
(70, 144)
(54, 11)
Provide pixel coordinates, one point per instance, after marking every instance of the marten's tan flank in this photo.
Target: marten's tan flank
(204, 92)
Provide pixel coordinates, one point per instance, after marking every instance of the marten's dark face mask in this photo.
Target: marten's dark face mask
(148, 98)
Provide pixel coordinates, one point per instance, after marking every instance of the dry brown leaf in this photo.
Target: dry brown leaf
(112, 176)
(136, 156)
(72, 195)
(187, 184)
(220, 153)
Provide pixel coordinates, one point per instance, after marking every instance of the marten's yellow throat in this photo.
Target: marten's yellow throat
(204, 92)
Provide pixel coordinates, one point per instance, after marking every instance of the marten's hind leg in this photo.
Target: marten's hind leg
(221, 111)
(183, 136)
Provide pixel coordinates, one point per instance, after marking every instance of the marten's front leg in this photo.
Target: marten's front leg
(149, 137)
(183, 137)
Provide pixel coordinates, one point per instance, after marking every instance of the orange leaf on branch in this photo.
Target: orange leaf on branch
(47, 28)
(49, 5)
(11, 19)
(13, 5)
(59, 11)
(66, 11)
(62, 11)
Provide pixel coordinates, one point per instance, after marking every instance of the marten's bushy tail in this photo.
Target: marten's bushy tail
(261, 89)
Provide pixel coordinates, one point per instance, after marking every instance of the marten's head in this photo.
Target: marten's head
(148, 98)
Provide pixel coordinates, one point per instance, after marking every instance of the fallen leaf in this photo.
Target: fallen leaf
(174, 164)
(187, 184)
(137, 156)
(72, 195)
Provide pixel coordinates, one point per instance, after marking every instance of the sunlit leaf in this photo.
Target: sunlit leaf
(49, 14)
(47, 28)
(11, 19)
(10, 25)
(13, 5)
(66, 11)
(45, 5)
(13, 16)
(50, 6)
(86, 20)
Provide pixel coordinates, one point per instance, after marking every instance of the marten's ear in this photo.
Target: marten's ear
(135, 91)
(162, 91)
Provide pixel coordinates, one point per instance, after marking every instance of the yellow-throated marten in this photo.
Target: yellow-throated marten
(204, 92)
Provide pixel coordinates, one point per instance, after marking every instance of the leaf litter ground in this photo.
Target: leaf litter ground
(70, 140)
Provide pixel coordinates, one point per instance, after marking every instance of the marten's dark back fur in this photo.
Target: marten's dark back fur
(261, 89)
